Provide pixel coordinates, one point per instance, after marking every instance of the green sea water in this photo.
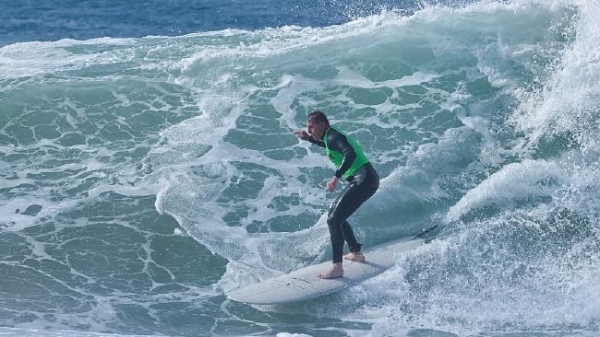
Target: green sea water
(142, 179)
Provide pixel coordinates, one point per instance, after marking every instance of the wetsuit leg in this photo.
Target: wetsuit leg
(348, 234)
(351, 198)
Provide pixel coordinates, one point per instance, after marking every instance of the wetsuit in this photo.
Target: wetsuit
(353, 165)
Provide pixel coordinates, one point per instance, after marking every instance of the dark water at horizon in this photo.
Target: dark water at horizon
(145, 174)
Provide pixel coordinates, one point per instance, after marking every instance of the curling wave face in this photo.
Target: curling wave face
(143, 177)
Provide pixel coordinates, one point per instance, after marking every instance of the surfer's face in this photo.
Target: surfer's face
(317, 130)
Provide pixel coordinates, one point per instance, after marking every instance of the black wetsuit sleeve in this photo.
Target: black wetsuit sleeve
(316, 142)
(338, 142)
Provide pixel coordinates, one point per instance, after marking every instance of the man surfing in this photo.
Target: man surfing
(363, 181)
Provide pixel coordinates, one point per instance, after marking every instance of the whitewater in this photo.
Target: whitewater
(141, 179)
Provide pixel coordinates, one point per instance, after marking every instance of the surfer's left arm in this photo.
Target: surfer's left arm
(338, 142)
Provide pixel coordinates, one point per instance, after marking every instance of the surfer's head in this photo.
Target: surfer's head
(317, 124)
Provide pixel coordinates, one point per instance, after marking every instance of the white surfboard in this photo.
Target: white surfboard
(304, 284)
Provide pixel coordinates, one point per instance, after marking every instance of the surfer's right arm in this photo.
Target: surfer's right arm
(305, 136)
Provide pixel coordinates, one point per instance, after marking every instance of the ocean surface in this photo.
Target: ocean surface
(148, 165)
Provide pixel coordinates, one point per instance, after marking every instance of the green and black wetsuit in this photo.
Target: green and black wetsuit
(351, 164)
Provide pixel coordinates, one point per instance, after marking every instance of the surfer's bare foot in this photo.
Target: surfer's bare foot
(335, 271)
(356, 257)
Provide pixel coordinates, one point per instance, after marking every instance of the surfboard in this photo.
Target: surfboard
(304, 284)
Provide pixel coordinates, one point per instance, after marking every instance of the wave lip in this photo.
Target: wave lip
(146, 175)
(527, 181)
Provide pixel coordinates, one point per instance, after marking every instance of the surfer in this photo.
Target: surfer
(352, 165)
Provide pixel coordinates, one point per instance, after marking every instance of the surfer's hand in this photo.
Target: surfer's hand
(331, 183)
(302, 134)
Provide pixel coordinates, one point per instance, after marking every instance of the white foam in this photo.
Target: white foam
(15, 332)
(569, 100)
(192, 164)
(505, 188)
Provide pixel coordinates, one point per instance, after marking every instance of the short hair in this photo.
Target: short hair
(318, 117)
